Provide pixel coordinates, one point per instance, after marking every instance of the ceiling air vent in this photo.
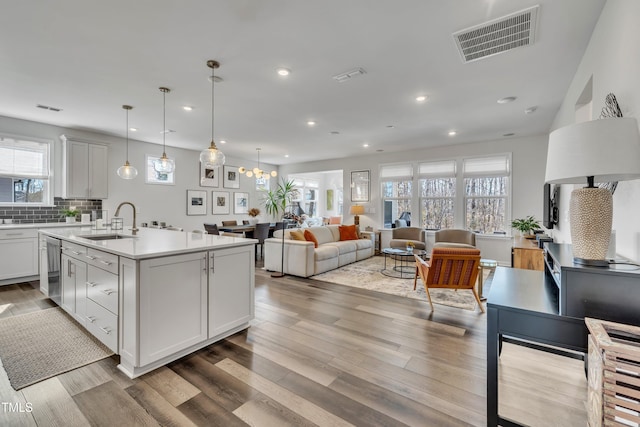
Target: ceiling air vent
(497, 36)
(348, 75)
(46, 107)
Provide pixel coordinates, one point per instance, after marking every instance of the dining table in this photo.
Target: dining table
(247, 229)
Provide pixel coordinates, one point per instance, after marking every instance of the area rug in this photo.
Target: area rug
(42, 344)
(366, 275)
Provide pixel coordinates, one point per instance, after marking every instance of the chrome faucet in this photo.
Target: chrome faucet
(133, 229)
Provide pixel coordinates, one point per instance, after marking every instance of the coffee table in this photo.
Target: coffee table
(404, 266)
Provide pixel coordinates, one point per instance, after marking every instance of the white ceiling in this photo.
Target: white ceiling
(90, 57)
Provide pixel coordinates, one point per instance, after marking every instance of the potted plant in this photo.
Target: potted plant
(70, 215)
(275, 203)
(526, 225)
(253, 213)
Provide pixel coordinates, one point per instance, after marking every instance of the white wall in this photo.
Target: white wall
(153, 202)
(528, 157)
(612, 60)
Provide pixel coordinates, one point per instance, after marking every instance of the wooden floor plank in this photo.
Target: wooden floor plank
(84, 378)
(159, 408)
(171, 386)
(203, 411)
(55, 407)
(265, 412)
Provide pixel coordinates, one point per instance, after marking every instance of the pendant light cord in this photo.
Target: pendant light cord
(127, 110)
(213, 82)
(164, 121)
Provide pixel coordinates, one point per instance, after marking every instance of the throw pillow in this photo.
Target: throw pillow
(310, 237)
(348, 232)
(297, 235)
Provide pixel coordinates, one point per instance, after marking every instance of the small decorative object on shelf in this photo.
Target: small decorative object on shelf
(70, 214)
(253, 213)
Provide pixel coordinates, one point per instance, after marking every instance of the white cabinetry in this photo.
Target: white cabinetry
(85, 169)
(230, 289)
(74, 279)
(18, 254)
(173, 305)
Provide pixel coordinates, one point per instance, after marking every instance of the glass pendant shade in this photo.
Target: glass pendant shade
(127, 171)
(164, 164)
(212, 156)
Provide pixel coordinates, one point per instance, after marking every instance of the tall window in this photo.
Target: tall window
(486, 193)
(24, 172)
(307, 197)
(437, 194)
(397, 190)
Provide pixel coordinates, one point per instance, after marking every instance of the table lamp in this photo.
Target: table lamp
(356, 210)
(601, 150)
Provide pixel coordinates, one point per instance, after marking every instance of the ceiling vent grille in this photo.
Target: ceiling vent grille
(46, 107)
(497, 36)
(348, 75)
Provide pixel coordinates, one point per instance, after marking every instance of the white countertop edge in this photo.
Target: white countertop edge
(39, 225)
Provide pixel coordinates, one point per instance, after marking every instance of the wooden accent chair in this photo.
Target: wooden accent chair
(229, 223)
(211, 228)
(450, 268)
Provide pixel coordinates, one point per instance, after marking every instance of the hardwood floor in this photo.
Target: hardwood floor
(316, 354)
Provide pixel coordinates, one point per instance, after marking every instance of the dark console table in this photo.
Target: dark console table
(548, 307)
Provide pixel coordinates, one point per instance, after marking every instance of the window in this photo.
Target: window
(437, 194)
(307, 200)
(397, 191)
(486, 193)
(24, 172)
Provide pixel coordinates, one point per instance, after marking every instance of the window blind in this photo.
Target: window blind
(483, 166)
(439, 169)
(396, 171)
(24, 159)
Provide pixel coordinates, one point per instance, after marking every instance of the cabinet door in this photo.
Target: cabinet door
(173, 305)
(44, 266)
(98, 172)
(77, 169)
(231, 284)
(74, 292)
(18, 257)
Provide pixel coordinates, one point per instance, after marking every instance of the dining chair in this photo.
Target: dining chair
(260, 234)
(450, 268)
(230, 222)
(212, 228)
(172, 228)
(245, 222)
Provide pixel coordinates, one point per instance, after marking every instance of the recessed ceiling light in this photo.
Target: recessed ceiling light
(286, 155)
(187, 108)
(452, 133)
(284, 72)
(530, 110)
(421, 98)
(365, 145)
(133, 129)
(507, 100)
(222, 141)
(311, 123)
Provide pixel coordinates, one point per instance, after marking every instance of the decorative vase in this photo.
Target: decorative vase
(70, 219)
(254, 220)
(409, 248)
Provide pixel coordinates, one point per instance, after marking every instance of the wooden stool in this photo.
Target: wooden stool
(484, 263)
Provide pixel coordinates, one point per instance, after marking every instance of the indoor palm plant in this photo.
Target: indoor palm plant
(525, 225)
(275, 203)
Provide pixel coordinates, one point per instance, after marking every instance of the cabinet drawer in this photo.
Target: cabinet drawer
(73, 250)
(103, 325)
(102, 287)
(103, 260)
(18, 233)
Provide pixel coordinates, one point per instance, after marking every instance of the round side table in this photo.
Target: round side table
(484, 263)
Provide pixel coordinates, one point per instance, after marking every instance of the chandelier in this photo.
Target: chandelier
(212, 156)
(259, 173)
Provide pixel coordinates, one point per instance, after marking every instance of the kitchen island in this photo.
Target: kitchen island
(158, 295)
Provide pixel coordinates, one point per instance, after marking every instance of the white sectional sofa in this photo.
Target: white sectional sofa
(302, 259)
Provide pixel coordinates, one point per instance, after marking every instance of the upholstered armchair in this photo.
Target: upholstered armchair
(455, 238)
(400, 237)
(450, 268)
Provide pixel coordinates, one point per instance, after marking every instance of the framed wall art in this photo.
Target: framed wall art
(220, 202)
(151, 176)
(240, 203)
(360, 186)
(231, 177)
(196, 202)
(209, 175)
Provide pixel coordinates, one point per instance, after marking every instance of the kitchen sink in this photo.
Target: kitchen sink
(106, 236)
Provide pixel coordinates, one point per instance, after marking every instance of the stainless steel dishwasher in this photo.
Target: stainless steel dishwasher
(50, 277)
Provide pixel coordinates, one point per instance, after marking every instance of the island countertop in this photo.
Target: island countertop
(147, 242)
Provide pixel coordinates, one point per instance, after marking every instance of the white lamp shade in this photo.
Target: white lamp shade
(607, 149)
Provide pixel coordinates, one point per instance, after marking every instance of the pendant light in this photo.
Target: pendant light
(164, 164)
(212, 156)
(127, 171)
(259, 173)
